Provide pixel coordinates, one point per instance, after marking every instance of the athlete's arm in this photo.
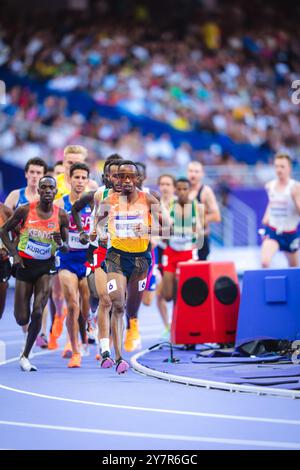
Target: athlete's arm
(61, 237)
(18, 217)
(12, 199)
(212, 211)
(159, 214)
(5, 213)
(87, 199)
(296, 196)
(265, 219)
(101, 220)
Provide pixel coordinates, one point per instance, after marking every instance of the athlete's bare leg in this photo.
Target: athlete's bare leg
(58, 296)
(117, 297)
(3, 291)
(162, 305)
(41, 295)
(268, 250)
(70, 286)
(168, 286)
(148, 297)
(105, 304)
(293, 259)
(23, 293)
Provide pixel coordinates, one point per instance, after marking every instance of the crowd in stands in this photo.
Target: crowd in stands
(228, 69)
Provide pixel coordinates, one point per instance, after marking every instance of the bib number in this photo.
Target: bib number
(38, 250)
(74, 242)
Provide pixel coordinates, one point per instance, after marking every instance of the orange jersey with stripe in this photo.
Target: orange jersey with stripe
(36, 241)
(122, 222)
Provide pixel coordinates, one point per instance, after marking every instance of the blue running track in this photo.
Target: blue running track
(90, 408)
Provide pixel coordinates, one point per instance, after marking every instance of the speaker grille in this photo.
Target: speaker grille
(226, 290)
(194, 291)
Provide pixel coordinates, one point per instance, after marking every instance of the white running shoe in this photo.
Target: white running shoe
(25, 365)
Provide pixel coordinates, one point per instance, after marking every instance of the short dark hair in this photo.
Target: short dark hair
(166, 175)
(141, 168)
(113, 157)
(129, 162)
(79, 166)
(36, 161)
(183, 180)
(112, 163)
(59, 162)
(48, 177)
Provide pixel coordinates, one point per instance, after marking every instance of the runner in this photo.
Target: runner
(204, 195)
(72, 154)
(5, 267)
(182, 245)
(282, 215)
(98, 265)
(130, 217)
(35, 169)
(72, 269)
(166, 187)
(44, 228)
(132, 340)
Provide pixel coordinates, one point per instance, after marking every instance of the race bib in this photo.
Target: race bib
(38, 250)
(74, 242)
(124, 228)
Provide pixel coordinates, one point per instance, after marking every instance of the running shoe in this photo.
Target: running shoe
(132, 338)
(58, 325)
(25, 365)
(107, 361)
(92, 333)
(52, 343)
(75, 361)
(67, 352)
(41, 341)
(122, 366)
(165, 335)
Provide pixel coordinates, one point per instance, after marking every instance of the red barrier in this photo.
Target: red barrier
(207, 305)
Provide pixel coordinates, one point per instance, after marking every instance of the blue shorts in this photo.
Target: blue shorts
(74, 261)
(288, 241)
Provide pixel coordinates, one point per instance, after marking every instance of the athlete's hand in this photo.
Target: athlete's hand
(3, 254)
(18, 260)
(140, 230)
(84, 238)
(57, 238)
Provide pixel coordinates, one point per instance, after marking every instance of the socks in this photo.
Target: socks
(104, 345)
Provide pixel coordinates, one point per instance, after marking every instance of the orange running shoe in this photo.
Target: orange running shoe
(67, 352)
(75, 361)
(58, 325)
(128, 343)
(52, 343)
(132, 339)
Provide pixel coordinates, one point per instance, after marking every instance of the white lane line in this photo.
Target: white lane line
(156, 410)
(166, 437)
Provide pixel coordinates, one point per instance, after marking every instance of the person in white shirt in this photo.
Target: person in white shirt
(282, 215)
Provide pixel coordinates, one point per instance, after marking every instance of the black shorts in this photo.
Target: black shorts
(34, 269)
(5, 270)
(204, 252)
(123, 262)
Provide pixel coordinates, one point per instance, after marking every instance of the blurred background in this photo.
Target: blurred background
(162, 82)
